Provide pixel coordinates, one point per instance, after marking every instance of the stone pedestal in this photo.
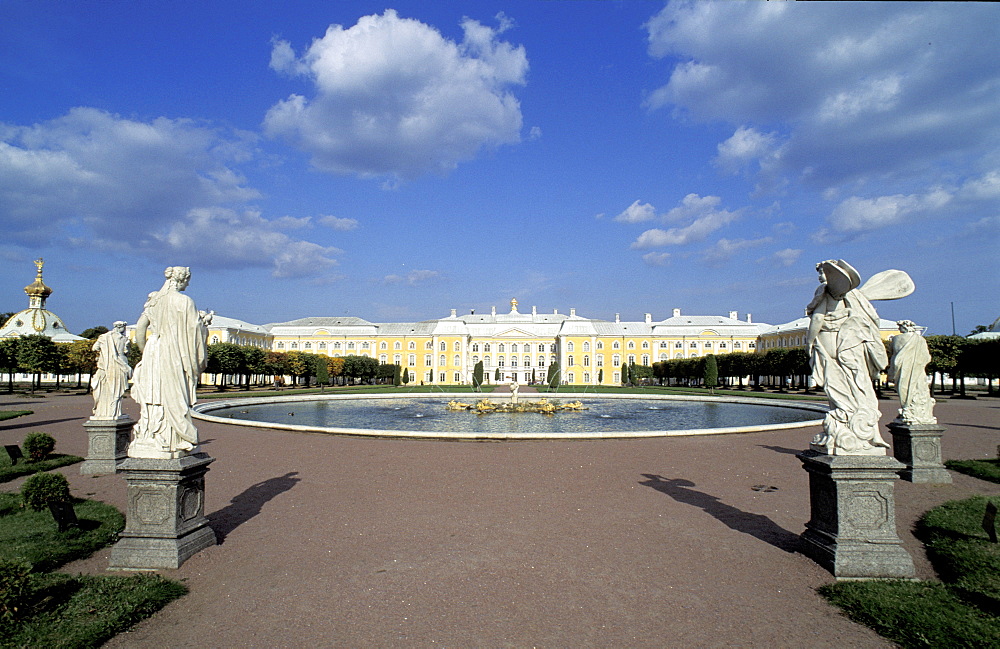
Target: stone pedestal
(165, 520)
(852, 532)
(107, 444)
(918, 446)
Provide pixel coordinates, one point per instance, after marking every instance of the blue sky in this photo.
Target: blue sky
(395, 161)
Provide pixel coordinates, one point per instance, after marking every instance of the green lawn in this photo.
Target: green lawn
(10, 414)
(60, 610)
(962, 610)
(982, 469)
(8, 472)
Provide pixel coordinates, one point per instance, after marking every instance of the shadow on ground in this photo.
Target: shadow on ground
(249, 503)
(756, 525)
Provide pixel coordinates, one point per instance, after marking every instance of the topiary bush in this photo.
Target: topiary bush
(15, 587)
(43, 488)
(38, 446)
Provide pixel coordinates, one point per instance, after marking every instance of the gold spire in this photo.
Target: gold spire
(513, 305)
(37, 291)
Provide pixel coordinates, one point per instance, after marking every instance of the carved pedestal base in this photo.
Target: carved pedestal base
(107, 444)
(918, 446)
(852, 532)
(165, 521)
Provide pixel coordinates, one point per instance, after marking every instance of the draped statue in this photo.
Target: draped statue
(907, 370)
(846, 353)
(113, 372)
(172, 336)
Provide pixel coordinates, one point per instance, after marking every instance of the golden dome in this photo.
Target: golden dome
(38, 289)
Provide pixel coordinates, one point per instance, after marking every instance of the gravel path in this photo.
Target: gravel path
(342, 542)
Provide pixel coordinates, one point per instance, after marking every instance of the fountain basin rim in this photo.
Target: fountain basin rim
(201, 410)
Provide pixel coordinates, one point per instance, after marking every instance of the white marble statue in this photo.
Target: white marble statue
(513, 391)
(172, 336)
(846, 353)
(910, 357)
(113, 372)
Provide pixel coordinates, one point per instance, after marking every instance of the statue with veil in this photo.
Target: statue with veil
(172, 335)
(846, 354)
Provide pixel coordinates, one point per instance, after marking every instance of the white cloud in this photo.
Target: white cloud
(986, 187)
(856, 215)
(341, 224)
(412, 278)
(394, 97)
(637, 213)
(166, 189)
(724, 249)
(786, 257)
(225, 238)
(744, 147)
(869, 90)
(700, 215)
(656, 258)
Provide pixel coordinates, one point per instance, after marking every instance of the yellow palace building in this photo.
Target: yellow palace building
(588, 351)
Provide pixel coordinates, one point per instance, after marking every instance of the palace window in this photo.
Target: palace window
(752, 345)
(428, 361)
(645, 344)
(737, 345)
(570, 360)
(569, 346)
(215, 339)
(350, 345)
(281, 345)
(600, 361)
(322, 345)
(412, 345)
(365, 345)
(442, 360)
(527, 361)
(382, 358)
(586, 361)
(663, 356)
(570, 377)
(486, 359)
(486, 347)
(586, 377)
(541, 347)
(600, 344)
(397, 358)
(444, 346)
(722, 345)
(458, 346)
(500, 347)
(552, 348)
(541, 361)
(412, 359)
(586, 346)
(616, 345)
(631, 359)
(513, 347)
(645, 359)
(475, 359)
(694, 345)
(458, 360)
(475, 347)
(383, 345)
(397, 345)
(617, 378)
(663, 344)
(458, 377)
(708, 344)
(616, 360)
(429, 345)
(441, 376)
(631, 344)
(295, 345)
(678, 345)
(500, 361)
(513, 361)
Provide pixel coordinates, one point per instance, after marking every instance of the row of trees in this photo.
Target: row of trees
(233, 364)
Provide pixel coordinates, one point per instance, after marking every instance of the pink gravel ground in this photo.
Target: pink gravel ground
(345, 542)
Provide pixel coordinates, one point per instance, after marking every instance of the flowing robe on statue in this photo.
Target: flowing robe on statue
(173, 358)
(910, 357)
(846, 352)
(111, 378)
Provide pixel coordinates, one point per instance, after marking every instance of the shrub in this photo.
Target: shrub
(14, 588)
(38, 446)
(43, 488)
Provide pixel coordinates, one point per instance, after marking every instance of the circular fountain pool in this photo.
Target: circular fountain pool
(425, 416)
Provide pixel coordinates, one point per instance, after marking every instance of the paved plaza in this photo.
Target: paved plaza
(333, 541)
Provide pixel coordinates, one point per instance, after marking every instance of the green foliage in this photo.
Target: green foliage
(553, 376)
(983, 469)
(94, 332)
(43, 488)
(711, 372)
(14, 589)
(37, 446)
(86, 611)
(477, 376)
(322, 371)
(915, 614)
(11, 414)
(626, 377)
(37, 353)
(9, 472)
(32, 537)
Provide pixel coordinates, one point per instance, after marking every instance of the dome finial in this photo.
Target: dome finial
(37, 291)
(513, 305)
